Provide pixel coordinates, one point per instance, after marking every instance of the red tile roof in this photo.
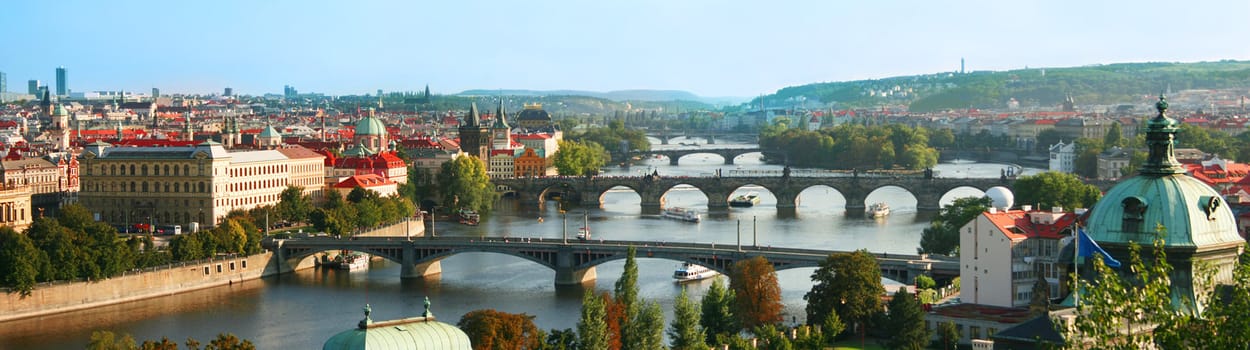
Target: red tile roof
(364, 181)
(1017, 225)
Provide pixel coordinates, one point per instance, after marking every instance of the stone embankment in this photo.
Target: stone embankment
(57, 297)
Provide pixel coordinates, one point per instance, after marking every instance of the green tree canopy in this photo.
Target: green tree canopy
(685, 332)
(1054, 189)
(592, 328)
(294, 205)
(942, 235)
(465, 185)
(20, 261)
(580, 158)
(717, 312)
(906, 322)
(848, 285)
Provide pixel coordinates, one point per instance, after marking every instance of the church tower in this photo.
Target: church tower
(474, 137)
(59, 129)
(500, 131)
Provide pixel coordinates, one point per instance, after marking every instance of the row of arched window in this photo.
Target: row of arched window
(144, 186)
(144, 170)
(258, 170)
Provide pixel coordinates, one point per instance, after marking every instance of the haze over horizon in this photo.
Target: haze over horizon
(710, 48)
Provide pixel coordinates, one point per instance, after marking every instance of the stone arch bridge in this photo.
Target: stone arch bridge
(589, 191)
(674, 154)
(574, 261)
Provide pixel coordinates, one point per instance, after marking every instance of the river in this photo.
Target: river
(303, 309)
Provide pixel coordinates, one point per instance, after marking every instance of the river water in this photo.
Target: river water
(303, 309)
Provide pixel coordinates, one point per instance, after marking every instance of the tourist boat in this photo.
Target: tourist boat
(469, 217)
(584, 232)
(682, 214)
(879, 209)
(746, 200)
(351, 262)
(690, 272)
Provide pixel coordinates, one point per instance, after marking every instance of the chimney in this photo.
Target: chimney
(1056, 210)
(1026, 207)
(993, 210)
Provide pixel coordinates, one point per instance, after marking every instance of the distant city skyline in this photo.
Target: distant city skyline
(710, 48)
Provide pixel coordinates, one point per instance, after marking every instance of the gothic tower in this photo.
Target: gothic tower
(474, 137)
(500, 131)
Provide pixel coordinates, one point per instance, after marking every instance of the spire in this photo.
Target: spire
(501, 117)
(473, 117)
(1160, 133)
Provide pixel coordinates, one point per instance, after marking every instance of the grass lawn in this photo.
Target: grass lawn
(854, 344)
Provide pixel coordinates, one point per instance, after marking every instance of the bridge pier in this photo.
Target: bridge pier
(729, 159)
(567, 273)
(422, 270)
(672, 160)
(711, 139)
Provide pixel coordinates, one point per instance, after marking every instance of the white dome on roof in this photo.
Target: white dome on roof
(1001, 197)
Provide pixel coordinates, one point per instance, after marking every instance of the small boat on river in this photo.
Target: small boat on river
(879, 210)
(469, 217)
(688, 272)
(683, 214)
(746, 200)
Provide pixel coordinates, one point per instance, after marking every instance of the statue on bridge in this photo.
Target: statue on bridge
(785, 172)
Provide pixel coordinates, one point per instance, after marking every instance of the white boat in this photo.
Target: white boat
(879, 209)
(352, 262)
(746, 200)
(683, 214)
(691, 272)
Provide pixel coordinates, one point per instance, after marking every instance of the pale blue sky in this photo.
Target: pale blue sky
(711, 48)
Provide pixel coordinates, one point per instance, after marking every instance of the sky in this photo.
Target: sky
(710, 48)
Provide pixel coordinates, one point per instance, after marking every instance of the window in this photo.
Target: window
(206, 270)
(1134, 214)
(974, 332)
(218, 268)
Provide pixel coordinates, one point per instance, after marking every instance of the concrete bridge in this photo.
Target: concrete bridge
(574, 261)
(666, 136)
(589, 191)
(674, 154)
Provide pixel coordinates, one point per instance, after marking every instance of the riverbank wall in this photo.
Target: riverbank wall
(58, 297)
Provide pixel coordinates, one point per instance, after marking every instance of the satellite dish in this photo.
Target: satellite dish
(1001, 197)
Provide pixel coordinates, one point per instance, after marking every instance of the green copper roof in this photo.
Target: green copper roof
(410, 333)
(59, 110)
(1195, 214)
(370, 126)
(270, 132)
(501, 117)
(359, 150)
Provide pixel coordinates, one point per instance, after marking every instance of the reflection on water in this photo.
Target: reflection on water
(302, 310)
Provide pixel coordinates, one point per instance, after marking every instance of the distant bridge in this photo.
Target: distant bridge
(574, 261)
(674, 154)
(666, 136)
(589, 191)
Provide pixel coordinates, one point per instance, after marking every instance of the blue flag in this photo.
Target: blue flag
(1086, 247)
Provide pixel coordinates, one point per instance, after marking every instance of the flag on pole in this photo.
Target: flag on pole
(1086, 247)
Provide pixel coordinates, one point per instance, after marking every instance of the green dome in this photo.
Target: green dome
(409, 333)
(370, 126)
(1194, 214)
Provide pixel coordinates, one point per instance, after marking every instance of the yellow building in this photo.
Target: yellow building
(15, 208)
(183, 185)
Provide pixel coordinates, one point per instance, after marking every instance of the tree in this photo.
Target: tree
(464, 185)
(491, 329)
(557, 339)
(1055, 189)
(771, 339)
(592, 332)
(20, 261)
(580, 158)
(1114, 137)
(717, 312)
(646, 330)
(294, 205)
(948, 335)
(848, 285)
(906, 322)
(832, 327)
(757, 292)
(942, 235)
(925, 282)
(686, 332)
(227, 341)
(625, 291)
(105, 340)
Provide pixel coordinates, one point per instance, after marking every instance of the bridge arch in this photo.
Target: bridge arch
(950, 195)
(824, 194)
(897, 193)
(661, 198)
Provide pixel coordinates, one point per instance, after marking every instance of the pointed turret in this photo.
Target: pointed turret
(187, 134)
(501, 117)
(473, 118)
